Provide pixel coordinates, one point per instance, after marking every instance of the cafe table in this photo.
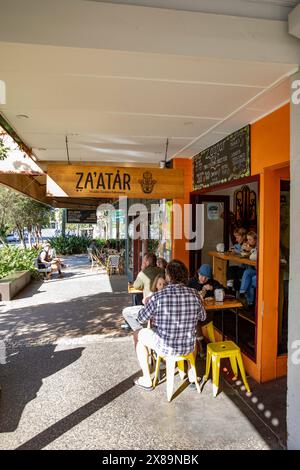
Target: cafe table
(227, 305)
(220, 262)
(132, 290)
(211, 305)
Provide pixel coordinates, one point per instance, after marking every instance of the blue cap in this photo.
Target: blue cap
(205, 270)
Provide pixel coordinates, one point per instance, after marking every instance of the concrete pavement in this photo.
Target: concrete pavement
(67, 379)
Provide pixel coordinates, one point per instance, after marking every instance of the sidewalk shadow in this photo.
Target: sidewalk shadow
(22, 377)
(45, 323)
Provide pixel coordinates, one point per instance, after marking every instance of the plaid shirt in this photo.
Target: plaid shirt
(174, 311)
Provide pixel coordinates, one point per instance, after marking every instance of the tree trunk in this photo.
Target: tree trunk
(30, 237)
(21, 236)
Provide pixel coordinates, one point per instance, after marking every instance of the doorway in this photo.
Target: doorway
(216, 227)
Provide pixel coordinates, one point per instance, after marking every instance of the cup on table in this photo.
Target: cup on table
(220, 247)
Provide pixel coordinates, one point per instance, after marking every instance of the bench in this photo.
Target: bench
(44, 271)
(13, 283)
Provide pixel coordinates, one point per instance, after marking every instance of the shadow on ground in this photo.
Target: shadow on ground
(22, 377)
(39, 324)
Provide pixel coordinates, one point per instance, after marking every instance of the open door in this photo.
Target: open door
(216, 227)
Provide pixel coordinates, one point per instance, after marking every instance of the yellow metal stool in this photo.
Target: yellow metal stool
(222, 350)
(210, 332)
(170, 370)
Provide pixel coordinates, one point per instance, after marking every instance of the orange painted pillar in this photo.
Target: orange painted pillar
(178, 245)
(269, 266)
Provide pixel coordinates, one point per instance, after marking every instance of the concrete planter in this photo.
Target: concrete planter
(13, 283)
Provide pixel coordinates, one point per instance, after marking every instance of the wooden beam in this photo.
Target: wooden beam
(26, 185)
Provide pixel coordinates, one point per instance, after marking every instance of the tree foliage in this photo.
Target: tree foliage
(3, 149)
(18, 212)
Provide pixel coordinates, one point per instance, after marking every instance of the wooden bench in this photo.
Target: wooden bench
(44, 271)
(13, 283)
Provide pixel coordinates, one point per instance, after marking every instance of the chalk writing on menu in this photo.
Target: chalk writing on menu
(81, 216)
(223, 162)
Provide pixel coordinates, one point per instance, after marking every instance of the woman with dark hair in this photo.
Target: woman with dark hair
(161, 263)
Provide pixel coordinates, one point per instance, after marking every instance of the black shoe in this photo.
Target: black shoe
(243, 299)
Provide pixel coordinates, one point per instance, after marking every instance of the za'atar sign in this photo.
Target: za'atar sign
(110, 181)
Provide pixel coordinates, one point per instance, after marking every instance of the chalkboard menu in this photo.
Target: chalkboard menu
(81, 216)
(225, 161)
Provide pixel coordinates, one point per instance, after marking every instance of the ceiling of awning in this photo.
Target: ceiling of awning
(122, 105)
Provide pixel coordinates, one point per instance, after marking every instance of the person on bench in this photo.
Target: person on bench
(45, 260)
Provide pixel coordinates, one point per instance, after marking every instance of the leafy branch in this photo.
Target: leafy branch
(3, 149)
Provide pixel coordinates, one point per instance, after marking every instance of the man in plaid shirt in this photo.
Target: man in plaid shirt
(174, 312)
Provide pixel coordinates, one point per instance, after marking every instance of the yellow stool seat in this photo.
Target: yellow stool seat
(170, 370)
(222, 350)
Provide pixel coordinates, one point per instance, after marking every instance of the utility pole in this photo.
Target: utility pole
(63, 222)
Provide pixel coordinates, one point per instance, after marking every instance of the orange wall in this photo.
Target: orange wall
(178, 246)
(270, 140)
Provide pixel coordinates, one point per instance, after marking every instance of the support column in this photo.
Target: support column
(293, 395)
(178, 246)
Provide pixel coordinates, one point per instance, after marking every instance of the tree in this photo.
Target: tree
(3, 149)
(5, 223)
(21, 212)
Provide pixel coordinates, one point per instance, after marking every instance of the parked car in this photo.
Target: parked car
(12, 238)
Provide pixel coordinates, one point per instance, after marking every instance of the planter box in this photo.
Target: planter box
(13, 283)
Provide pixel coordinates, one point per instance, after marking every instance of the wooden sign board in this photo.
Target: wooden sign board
(106, 181)
(223, 162)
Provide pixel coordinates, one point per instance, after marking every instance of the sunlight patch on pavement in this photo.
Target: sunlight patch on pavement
(2, 352)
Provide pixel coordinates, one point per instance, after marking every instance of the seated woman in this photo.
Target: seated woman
(248, 283)
(204, 282)
(235, 273)
(130, 313)
(161, 263)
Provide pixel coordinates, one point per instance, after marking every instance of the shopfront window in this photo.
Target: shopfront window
(284, 266)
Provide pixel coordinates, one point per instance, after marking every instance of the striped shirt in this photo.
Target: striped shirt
(174, 312)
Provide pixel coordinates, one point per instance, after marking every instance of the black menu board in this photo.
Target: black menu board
(227, 160)
(85, 216)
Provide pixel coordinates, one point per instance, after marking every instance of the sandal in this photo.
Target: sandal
(148, 389)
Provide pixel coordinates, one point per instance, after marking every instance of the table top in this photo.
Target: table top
(132, 290)
(227, 256)
(226, 304)
(208, 304)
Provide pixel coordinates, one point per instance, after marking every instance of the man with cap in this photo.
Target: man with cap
(204, 282)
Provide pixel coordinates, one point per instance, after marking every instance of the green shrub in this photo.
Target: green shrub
(70, 245)
(13, 259)
(74, 245)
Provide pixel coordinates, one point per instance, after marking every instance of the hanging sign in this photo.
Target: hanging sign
(81, 216)
(105, 181)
